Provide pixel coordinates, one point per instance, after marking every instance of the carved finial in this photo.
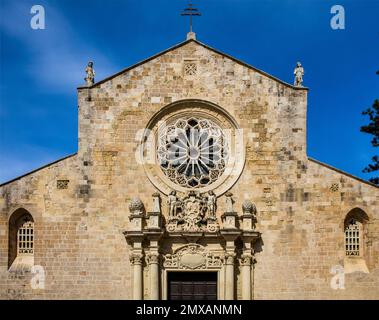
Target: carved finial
(229, 202)
(298, 72)
(248, 207)
(90, 77)
(156, 202)
(136, 206)
(191, 35)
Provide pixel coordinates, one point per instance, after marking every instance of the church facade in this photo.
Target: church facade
(191, 181)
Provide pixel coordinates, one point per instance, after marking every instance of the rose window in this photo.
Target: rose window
(192, 152)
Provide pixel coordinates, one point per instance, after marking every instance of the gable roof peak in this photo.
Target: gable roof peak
(191, 37)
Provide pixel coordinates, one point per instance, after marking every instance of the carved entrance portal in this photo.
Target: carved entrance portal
(190, 238)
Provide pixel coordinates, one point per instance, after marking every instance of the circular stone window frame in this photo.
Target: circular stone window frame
(197, 109)
(191, 155)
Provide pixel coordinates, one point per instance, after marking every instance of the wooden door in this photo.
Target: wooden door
(192, 285)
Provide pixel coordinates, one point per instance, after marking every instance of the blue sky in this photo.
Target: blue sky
(41, 69)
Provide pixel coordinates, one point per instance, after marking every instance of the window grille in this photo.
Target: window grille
(25, 238)
(352, 238)
(190, 68)
(192, 152)
(62, 184)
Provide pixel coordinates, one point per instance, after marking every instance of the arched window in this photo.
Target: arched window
(21, 240)
(25, 237)
(354, 227)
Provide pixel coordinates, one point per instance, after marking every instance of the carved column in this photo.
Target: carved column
(229, 275)
(230, 232)
(245, 263)
(134, 236)
(230, 236)
(249, 236)
(153, 261)
(154, 234)
(136, 262)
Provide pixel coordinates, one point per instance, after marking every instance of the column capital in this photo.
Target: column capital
(246, 260)
(153, 258)
(229, 258)
(136, 258)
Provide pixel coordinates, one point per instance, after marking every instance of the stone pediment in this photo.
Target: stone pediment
(202, 45)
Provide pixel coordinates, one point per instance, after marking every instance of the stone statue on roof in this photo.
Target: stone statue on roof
(90, 78)
(298, 72)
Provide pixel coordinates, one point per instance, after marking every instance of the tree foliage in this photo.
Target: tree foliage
(373, 128)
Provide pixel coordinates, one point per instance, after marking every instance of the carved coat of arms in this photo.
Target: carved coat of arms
(191, 214)
(192, 256)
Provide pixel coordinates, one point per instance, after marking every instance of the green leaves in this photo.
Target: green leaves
(373, 128)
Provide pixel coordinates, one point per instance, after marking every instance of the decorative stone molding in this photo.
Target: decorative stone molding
(136, 258)
(189, 218)
(152, 258)
(62, 184)
(246, 260)
(154, 220)
(136, 206)
(192, 257)
(156, 202)
(229, 202)
(193, 152)
(166, 176)
(212, 225)
(193, 213)
(248, 207)
(249, 216)
(229, 220)
(136, 218)
(229, 258)
(190, 68)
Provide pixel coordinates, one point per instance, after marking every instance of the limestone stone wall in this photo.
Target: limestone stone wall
(79, 238)
(304, 239)
(84, 256)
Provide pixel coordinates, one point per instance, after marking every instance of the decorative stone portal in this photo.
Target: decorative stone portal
(189, 238)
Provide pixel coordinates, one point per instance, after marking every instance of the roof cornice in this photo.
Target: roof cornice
(342, 172)
(38, 169)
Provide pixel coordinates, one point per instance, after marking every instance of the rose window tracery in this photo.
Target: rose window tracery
(192, 152)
